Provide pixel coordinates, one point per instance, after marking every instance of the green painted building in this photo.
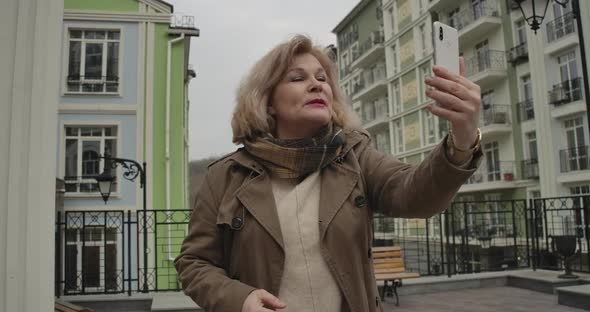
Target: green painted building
(124, 92)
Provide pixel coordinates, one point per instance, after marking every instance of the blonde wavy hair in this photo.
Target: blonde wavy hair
(251, 118)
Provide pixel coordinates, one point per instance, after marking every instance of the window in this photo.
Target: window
(483, 56)
(577, 154)
(398, 136)
(580, 190)
(493, 206)
(487, 111)
(397, 102)
(93, 61)
(429, 132)
(382, 140)
(520, 28)
(394, 59)
(83, 147)
(527, 109)
(392, 21)
(492, 156)
(567, 66)
(368, 112)
(531, 139)
(455, 19)
(422, 31)
(479, 8)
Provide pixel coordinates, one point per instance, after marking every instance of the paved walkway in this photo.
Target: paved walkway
(494, 299)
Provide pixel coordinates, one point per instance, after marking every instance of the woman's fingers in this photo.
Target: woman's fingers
(448, 101)
(449, 86)
(442, 72)
(269, 300)
(443, 112)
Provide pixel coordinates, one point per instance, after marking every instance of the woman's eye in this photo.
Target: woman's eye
(297, 79)
(321, 78)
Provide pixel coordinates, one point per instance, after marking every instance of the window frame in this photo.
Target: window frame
(116, 193)
(66, 56)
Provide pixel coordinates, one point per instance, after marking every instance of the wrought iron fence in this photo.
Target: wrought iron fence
(107, 252)
(560, 27)
(484, 61)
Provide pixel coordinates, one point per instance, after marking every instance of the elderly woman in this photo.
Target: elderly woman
(284, 223)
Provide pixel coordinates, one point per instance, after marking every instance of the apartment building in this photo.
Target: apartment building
(533, 117)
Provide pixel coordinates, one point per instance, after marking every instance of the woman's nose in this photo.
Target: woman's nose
(315, 85)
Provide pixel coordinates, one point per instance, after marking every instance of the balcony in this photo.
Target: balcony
(526, 110)
(475, 22)
(574, 159)
(495, 120)
(375, 113)
(487, 67)
(518, 54)
(492, 175)
(560, 34)
(437, 5)
(370, 51)
(566, 98)
(371, 85)
(530, 168)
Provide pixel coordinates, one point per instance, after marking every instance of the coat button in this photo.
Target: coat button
(237, 222)
(360, 201)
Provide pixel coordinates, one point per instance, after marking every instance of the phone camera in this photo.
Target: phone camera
(440, 33)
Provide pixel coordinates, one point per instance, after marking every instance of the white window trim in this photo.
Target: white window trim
(66, 55)
(62, 169)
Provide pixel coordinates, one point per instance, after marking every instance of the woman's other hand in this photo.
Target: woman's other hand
(261, 300)
(459, 102)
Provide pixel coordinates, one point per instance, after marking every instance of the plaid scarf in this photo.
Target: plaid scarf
(296, 158)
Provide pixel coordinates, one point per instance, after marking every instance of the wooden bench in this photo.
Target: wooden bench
(388, 264)
(63, 306)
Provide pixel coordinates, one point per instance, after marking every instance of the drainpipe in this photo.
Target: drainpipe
(167, 138)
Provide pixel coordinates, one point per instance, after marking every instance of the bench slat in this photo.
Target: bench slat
(387, 254)
(387, 248)
(388, 265)
(395, 276)
(388, 260)
(389, 270)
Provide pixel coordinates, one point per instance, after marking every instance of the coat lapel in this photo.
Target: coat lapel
(338, 181)
(256, 196)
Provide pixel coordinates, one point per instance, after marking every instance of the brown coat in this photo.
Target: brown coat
(235, 243)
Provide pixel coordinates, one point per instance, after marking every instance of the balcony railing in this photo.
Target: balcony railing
(518, 54)
(574, 159)
(374, 39)
(530, 168)
(495, 115)
(560, 27)
(566, 92)
(369, 78)
(377, 111)
(484, 61)
(526, 110)
(467, 16)
(494, 171)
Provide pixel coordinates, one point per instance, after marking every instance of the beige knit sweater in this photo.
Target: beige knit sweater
(307, 283)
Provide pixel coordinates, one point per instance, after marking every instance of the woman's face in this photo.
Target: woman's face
(302, 101)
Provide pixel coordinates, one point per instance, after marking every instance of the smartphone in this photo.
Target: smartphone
(446, 46)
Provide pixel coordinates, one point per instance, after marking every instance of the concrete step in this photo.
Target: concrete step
(541, 280)
(574, 296)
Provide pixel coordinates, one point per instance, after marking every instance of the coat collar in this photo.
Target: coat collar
(255, 194)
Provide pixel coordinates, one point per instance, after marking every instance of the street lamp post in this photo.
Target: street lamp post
(534, 20)
(133, 169)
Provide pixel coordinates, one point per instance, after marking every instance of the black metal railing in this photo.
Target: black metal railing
(560, 27)
(484, 61)
(526, 110)
(518, 54)
(79, 83)
(469, 15)
(574, 159)
(566, 92)
(530, 168)
(106, 252)
(375, 38)
(495, 114)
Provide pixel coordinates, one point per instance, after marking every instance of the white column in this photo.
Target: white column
(30, 32)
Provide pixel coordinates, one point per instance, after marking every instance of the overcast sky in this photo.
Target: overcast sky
(234, 35)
